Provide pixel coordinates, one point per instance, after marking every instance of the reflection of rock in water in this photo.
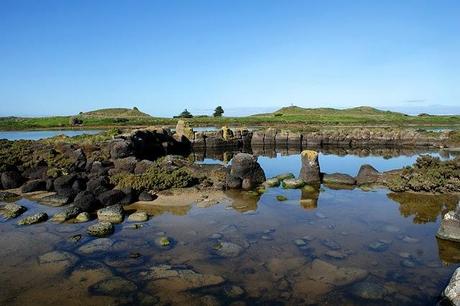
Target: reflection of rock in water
(309, 197)
(449, 251)
(424, 207)
(243, 201)
(270, 150)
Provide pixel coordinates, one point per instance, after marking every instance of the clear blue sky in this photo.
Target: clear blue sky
(63, 57)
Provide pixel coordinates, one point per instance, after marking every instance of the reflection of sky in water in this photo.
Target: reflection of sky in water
(36, 135)
(348, 164)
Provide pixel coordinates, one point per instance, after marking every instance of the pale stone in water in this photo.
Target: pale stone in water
(139, 216)
(83, 217)
(36, 218)
(13, 210)
(114, 286)
(58, 259)
(96, 246)
(100, 229)
(227, 249)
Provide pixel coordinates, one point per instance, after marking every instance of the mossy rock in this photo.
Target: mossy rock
(293, 183)
(285, 176)
(281, 198)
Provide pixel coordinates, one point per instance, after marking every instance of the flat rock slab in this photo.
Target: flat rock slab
(100, 245)
(58, 259)
(178, 278)
(36, 218)
(339, 179)
(13, 210)
(227, 249)
(113, 286)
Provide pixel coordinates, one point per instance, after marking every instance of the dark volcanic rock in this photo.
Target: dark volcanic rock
(246, 168)
(86, 201)
(145, 196)
(120, 148)
(99, 185)
(63, 186)
(111, 197)
(11, 179)
(130, 196)
(35, 185)
(367, 175)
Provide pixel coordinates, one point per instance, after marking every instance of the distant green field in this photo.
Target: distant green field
(289, 116)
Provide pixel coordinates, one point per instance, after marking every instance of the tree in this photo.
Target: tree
(135, 108)
(218, 111)
(185, 114)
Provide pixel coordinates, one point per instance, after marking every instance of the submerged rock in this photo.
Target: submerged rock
(163, 242)
(378, 246)
(281, 198)
(227, 249)
(368, 291)
(113, 214)
(58, 259)
(452, 291)
(336, 254)
(96, 246)
(113, 286)
(310, 171)
(100, 229)
(13, 210)
(331, 244)
(36, 218)
(181, 278)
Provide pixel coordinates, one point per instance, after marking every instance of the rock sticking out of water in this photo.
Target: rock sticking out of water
(164, 242)
(112, 214)
(83, 217)
(452, 291)
(100, 229)
(450, 227)
(140, 216)
(272, 182)
(36, 218)
(293, 183)
(13, 210)
(66, 214)
(6, 196)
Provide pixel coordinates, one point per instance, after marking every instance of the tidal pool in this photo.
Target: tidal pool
(37, 135)
(323, 247)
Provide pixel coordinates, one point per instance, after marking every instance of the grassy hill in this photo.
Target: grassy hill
(116, 113)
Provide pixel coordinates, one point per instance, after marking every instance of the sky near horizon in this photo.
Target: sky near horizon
(61, 57)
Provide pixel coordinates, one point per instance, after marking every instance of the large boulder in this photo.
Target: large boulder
(246, 168)
(99, 185)
(183, 130)
(367, 175)
(35, 185)
(111, 197)
(310, 171)
(86, 201)
(63, 186)
(11, 179)
(112, 214)
(121, 148)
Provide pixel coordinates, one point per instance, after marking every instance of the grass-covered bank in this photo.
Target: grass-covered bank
(289, 117)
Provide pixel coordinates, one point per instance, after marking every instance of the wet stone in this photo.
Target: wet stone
(378, 246)
(267, 237)
(336, 254)
(331, 244)
(58, 259)
(285, 176)
(96, 246)
(66, 214)
(83, 217)
(112, 214)
(164, 242)
(216, 236)
(100, 229)
(6, 196)
(300, 242)
(36, 218)
(368, 291)
(113, 286)
(408, 263)
(13, 210)
(227, 249)
(233, 291)
(281, 198)
(409, 239)
(293, 183)
(272, 182)
(139, 216)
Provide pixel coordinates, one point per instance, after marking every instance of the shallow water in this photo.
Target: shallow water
(389, 236)
(36, 135)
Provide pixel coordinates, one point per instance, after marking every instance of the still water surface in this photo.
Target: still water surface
(330, 247)
(36, 135)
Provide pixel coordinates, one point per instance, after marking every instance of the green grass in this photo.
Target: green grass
(289, 117)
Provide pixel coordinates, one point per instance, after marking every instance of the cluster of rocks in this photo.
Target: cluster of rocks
(346, 137)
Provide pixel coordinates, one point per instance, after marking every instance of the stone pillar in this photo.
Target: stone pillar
(310, 171)
(183, 129)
